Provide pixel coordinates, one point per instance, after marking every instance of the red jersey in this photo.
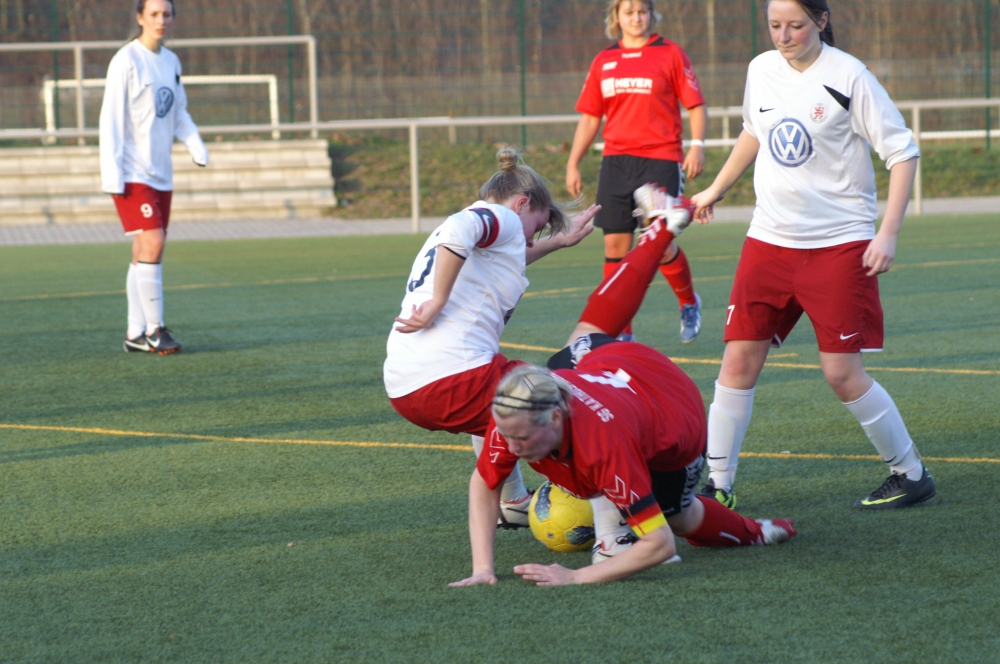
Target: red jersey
(639, 90)
(633, 411)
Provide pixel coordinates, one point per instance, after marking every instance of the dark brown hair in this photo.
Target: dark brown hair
(815, 9)
(140, 7)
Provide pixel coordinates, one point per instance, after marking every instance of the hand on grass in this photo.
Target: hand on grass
(421, 318)
(546, 575)
(879, 255)
(483, 578)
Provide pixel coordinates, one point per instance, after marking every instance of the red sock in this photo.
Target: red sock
(678, 273)
(610, 267)
(615, 302)
(724, 527)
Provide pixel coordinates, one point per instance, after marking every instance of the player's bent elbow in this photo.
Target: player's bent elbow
(660, 547)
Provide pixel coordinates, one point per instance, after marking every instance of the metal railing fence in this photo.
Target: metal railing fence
(413, 125)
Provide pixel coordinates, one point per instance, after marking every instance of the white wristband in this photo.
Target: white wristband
(697, 141)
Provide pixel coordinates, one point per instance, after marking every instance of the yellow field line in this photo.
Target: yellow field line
(788, 365)
(312, 280)
(419, 446)
(231, 439)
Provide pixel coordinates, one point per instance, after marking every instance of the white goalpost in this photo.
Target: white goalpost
(49, 87)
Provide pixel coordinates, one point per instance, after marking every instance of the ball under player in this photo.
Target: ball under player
(616, 420)
(443, 354)
(144, 109)
(638, 84)
(810, 113)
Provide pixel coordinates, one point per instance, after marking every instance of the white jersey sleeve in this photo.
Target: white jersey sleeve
(184, 127)
(113, 123)
(466, 334)
(877, 120)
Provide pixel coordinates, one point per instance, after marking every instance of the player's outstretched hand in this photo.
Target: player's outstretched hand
(546, 575)
(704, 202)
(483, 578)
(421, 318)
(879, 255)
(580, 226)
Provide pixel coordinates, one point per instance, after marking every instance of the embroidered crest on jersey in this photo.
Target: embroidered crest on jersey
(620, 86)
(790, 143)
(164, 101)
(491, 227)
(819, 113)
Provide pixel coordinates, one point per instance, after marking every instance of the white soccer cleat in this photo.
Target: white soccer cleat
(776, 531)
(653, 202)
(514, 515)
(610, 546)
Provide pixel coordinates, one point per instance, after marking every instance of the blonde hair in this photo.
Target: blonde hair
(532, 390)
(515, 178)
(611, 27)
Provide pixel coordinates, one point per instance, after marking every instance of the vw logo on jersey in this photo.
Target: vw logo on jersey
(791, 144)
(164, 100)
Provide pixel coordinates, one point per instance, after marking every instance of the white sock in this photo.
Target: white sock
(136, 319)
(608, 522)
(879, 417)
(728, 419)
(149, 277)
(513, 490)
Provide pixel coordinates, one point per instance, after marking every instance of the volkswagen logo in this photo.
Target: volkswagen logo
(791, 144)
(164, 100)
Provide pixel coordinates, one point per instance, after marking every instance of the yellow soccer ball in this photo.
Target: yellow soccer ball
(560, 521)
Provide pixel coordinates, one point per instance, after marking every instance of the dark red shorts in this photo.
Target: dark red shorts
(459, 403)
(142, 208)
(775, 285)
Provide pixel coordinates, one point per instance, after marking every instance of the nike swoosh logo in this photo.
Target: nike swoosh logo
(765, 110)
(884, 500)
(717, 458)
(842, 337)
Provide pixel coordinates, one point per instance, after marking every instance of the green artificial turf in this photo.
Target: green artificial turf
(120, 547)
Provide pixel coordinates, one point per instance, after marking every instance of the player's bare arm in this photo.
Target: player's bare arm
(447, 265)
(484, 509)
(743, 155)
(654, 548)
(586, 130)
(694, 160)
(579, 228)
(881, 252)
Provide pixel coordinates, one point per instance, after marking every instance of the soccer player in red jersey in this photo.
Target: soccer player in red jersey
(638, 84)
(617, 420)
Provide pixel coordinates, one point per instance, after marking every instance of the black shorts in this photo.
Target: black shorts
(621, 175)
(675, 490)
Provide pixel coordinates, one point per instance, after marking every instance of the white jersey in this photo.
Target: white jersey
(144, 108)
(813, 176)
(466, 334)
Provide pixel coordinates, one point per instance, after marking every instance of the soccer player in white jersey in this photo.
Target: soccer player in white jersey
(443, 354)
(144, 108)
(810, 113)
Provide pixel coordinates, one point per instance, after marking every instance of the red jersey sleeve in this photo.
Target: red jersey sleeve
(624, 479)
(496, 462)
(591, 101)
(686, 85)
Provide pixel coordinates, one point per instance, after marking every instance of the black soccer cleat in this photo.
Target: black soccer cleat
(137, 345)
(898, 491)
(727, 498)
(161, 342)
